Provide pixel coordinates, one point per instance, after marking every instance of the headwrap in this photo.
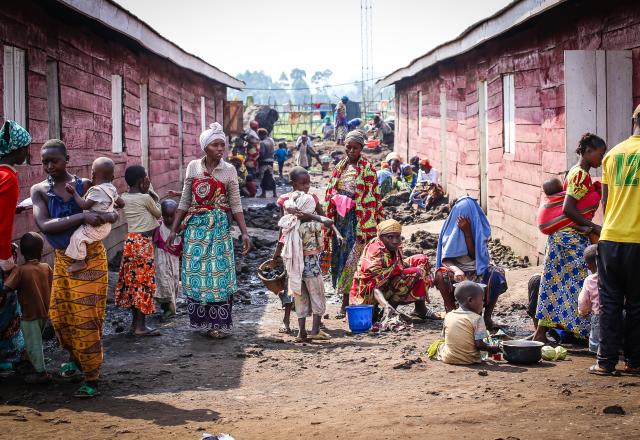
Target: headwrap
(636, 112)
(355, 122)
(214, 133)
(425, 163)
(392, 156)
(327, 119)
(344, 98)
(13, 137)
(358, 136)
(389, 227)
(292, 252)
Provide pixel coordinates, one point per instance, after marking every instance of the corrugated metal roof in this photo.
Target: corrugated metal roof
(115, 17)
(514, 14)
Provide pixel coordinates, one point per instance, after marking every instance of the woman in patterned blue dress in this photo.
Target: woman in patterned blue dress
(564, 266)
(208, 272)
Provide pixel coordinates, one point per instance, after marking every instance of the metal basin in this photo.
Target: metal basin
(523, 352)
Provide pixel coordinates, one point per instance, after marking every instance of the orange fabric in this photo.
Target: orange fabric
(136, 282)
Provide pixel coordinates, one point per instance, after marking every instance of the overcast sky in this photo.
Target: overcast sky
(279, 35)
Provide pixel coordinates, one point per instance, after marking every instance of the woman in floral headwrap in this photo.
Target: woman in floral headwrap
(353, 203)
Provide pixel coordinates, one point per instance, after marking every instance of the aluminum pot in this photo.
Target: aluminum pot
(521, 351)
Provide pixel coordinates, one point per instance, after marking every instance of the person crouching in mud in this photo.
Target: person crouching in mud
(386, 279)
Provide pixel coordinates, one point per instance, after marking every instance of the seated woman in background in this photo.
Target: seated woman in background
(387, 279)
(463, 254)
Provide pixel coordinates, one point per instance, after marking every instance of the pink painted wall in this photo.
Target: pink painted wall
(535, 56)
(87, 58)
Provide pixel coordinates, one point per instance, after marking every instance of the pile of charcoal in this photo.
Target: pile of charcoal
(421, 242)
(396, 206)
(504, 256)
(264, 217)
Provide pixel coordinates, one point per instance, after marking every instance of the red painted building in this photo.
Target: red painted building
(502, 107)
(103, 81)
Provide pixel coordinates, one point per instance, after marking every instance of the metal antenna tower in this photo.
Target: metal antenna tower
(366, 53)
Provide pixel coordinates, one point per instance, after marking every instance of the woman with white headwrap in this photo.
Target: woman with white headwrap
(208, 272)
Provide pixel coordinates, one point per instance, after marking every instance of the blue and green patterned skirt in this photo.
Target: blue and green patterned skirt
(562, 278)
(208, 270)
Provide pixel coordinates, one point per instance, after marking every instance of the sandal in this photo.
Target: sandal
(599, 371)
(86, 392)
(217, 334)
(321, 336)
(300, 339)
(284, 330)
(69, 369)
(632, 371)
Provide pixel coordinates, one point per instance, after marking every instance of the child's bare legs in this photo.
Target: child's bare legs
(315, 326)
(77, 266)
(302, 329)
(139, 326)
(286, 319)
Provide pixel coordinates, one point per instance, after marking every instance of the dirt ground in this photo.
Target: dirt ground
(260, 384)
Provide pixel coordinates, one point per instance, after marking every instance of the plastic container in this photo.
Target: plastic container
(360, 318)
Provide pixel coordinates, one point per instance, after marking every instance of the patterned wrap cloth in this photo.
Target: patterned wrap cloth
(77, 308)
(396, 277)
(357, 227)
(208, 264)
(136, 284)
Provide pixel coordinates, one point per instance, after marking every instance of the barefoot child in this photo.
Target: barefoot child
(589, 298)
(464, 328)
(167, 261)
(301, 243)
(32, 281)
(136, 285)
(102, 196)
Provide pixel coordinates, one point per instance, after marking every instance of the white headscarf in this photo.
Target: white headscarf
(212, 134)
(292, 251)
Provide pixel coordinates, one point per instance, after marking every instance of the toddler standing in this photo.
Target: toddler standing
(32, 281)
(167, 261)
(136, 282)
(589, 297)
(102, 196)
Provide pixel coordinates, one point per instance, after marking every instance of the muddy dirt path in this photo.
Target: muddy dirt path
(260, 384)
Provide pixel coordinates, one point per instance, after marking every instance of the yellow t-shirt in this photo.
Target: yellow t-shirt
(621, 174)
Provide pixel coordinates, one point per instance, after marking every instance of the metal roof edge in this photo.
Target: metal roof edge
(512, 15)
(117, 18)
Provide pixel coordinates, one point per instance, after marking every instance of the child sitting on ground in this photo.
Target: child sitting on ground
(167, 261)
(464, 328)
(136, 282)
(32, 281)
(301, 243)
(589, 297)
(102, 196)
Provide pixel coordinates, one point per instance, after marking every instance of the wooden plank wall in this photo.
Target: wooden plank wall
(86, 62)
(535, 56)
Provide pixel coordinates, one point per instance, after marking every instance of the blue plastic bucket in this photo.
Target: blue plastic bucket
(360, 318)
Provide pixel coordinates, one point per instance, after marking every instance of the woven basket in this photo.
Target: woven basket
(276, 285)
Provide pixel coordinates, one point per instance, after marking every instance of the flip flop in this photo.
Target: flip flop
(69, 369)
(598, 371)
(321, 336)
(300, 339)
(631, 371)
(217, 334)
(284, 330)
(86, 392)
